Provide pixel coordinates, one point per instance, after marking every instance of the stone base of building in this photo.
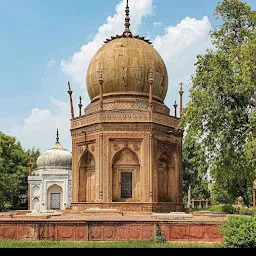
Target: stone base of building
(66, 230)
(130, 207)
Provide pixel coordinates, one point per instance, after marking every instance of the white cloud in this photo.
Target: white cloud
(179, 47)
(77, 66)
(157, 24)
(189, 32)
(39, 129)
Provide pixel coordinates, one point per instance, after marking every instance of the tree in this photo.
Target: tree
(218, 114)
(194, 170)
(13, 170)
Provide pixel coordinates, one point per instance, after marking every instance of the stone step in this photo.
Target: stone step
(104, 212)
(173, 215)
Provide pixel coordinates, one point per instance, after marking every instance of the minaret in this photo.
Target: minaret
(127, 31)
(80, 105)
(101, 81)
(175, 108)
(30, 168)
(181, 92)
(150, 81)
(29, 186)
(70, 92)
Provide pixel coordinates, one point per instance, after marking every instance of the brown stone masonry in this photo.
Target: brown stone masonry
(108, 230)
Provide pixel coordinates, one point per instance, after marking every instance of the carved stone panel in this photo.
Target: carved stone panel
(66, 233)
(7, 232)
(26, 233)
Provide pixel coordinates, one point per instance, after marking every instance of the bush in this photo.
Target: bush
(159, 236)
(246, 211)
(240, 232)
(7, 207)
(228, 208)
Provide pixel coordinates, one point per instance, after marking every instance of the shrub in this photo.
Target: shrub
(7, 207)
(159, 236)
(246, 211)
(240, 232)
(228, 209)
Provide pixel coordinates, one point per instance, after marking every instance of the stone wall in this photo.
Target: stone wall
(108, 231)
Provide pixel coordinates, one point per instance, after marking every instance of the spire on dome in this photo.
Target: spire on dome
(57, 139)
(127, 31)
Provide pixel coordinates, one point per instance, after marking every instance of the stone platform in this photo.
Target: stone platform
(115, 227)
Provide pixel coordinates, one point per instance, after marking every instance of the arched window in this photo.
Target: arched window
(87, 178)
(165, 174)
(55, 198)
(126, 177)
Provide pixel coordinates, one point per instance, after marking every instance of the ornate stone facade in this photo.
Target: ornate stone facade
(127, 148)
(145, 144)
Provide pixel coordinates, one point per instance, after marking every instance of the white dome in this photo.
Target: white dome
(55, 158)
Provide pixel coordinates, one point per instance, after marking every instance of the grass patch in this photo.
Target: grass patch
(214, 208)
(53, 244)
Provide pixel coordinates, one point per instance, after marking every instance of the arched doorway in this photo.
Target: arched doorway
(126, 177)
(55, 198)
(165, 174)
(87, 178)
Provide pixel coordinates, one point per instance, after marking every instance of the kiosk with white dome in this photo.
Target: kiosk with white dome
(50, 184)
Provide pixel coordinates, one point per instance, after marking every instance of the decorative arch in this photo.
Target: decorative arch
(126, 176)
(87, 178)
(126, 149)
(36, 204)
(36, 191)
(166, 177)
(55, 197)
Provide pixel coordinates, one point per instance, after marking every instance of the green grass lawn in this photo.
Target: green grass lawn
(213, 208)
(49, 244)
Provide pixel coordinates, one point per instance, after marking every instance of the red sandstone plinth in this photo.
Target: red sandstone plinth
(136, 227)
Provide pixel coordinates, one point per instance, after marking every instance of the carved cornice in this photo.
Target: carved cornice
(107, 222)
(131, 104)
(125, 117)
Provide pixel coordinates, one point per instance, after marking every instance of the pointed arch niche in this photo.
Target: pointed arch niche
(166, 177)
(87, 178)
(55, 197)
(126, 177)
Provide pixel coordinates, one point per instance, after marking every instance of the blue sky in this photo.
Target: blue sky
(40, 39)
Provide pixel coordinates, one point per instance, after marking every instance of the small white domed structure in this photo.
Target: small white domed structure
(56, 157)
(50, 185)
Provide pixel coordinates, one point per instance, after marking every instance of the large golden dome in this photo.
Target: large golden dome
(126, 63)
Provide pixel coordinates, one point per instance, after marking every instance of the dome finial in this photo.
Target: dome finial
(127, 31)
(57, 139)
